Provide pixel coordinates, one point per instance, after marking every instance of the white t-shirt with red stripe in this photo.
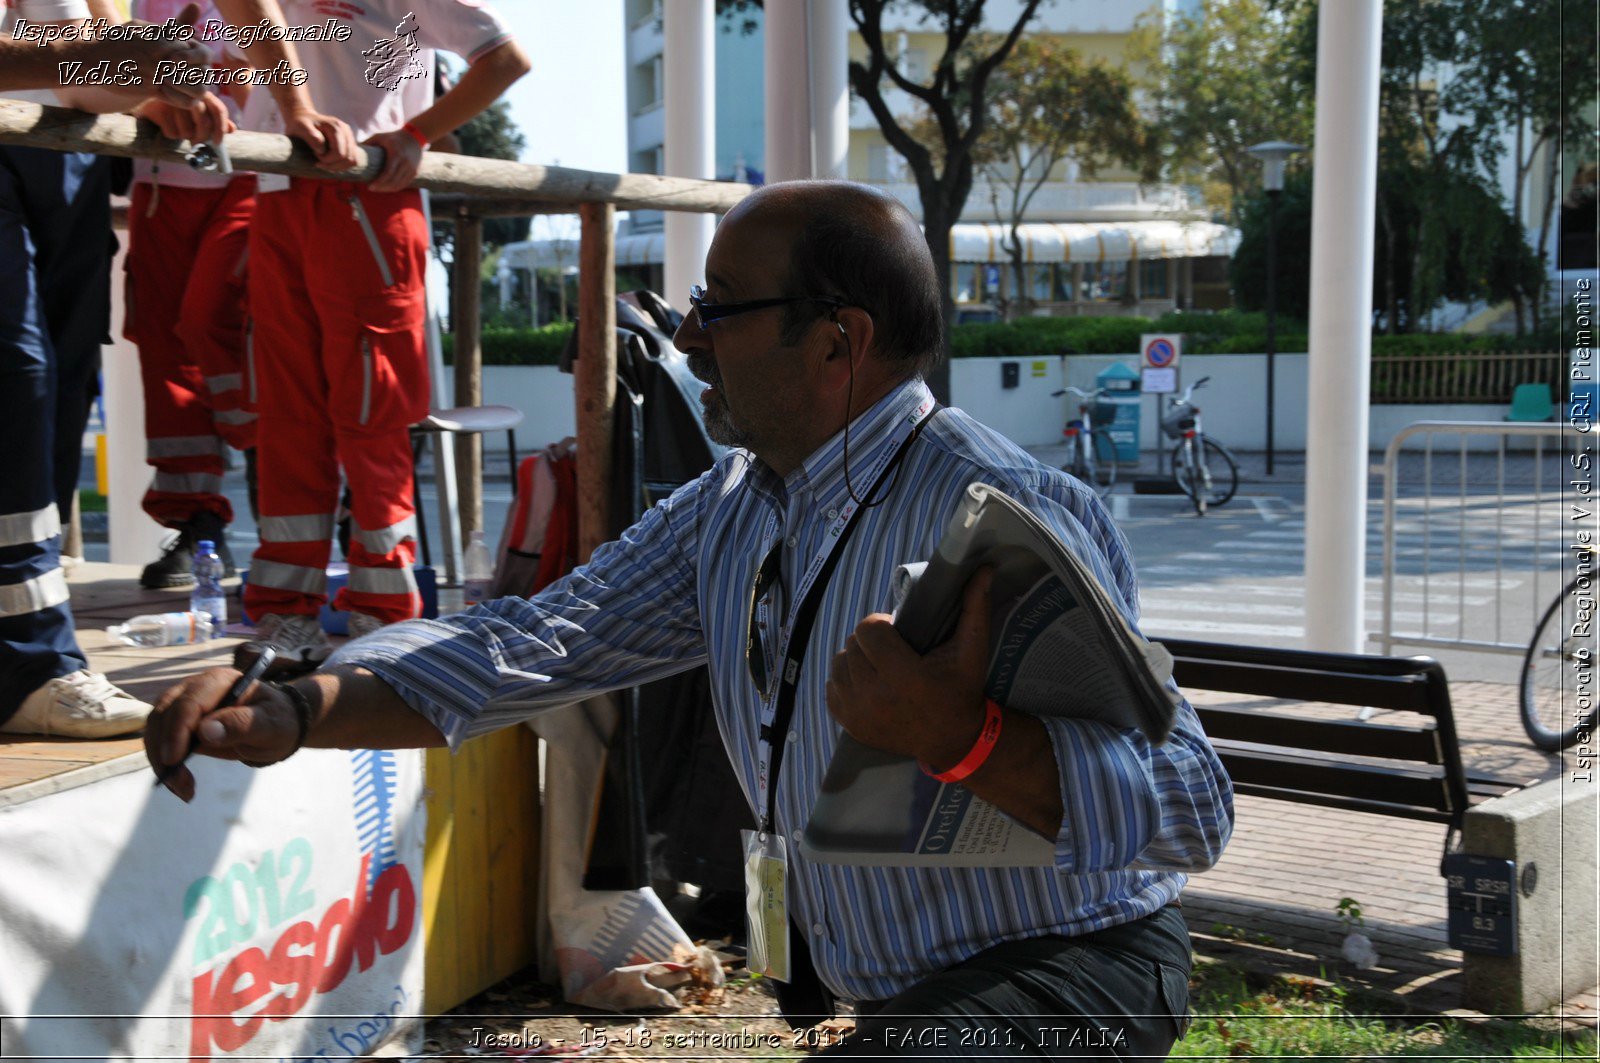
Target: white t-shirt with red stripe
(381, 77)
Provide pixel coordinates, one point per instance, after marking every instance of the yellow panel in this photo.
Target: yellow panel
(481, 865)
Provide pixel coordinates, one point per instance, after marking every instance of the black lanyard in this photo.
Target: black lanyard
(805, 615)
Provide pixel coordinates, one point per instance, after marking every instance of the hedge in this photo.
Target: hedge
(1226, 332)
(519, 346)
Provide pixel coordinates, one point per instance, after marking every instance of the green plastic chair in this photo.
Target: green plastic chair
(1532, 402)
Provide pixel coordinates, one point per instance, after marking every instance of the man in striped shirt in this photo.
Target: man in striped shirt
(821, 313)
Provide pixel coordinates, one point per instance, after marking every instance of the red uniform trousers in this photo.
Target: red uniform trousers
(186, 313)
(337, 307)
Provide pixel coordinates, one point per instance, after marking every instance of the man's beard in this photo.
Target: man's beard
(714, 410)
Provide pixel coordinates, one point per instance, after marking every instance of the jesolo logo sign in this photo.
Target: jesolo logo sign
(240, 984)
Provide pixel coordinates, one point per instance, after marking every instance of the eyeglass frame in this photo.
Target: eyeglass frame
(707, 314)
(769, 574)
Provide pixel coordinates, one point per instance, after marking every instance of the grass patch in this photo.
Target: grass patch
(1242, 1017)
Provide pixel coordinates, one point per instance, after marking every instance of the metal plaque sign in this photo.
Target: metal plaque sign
(1482, 903)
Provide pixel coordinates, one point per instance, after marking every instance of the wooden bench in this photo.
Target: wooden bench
(1393, 768)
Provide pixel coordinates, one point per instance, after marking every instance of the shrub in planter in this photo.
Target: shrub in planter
(518, 346)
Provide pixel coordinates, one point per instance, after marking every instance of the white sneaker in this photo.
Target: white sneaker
(363, 624)
(299, 640)
(81, 705)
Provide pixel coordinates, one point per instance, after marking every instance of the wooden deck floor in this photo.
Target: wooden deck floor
(102, 595)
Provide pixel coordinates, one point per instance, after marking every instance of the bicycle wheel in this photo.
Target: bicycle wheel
(1563, 647)
(1190, 473)
(1218, 472)
(1105, 461)
(1077, 465)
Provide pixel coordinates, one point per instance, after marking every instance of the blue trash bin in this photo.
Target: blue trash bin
(1117, 409)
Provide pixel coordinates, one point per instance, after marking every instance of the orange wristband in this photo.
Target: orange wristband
(987, 739)
(416, 134)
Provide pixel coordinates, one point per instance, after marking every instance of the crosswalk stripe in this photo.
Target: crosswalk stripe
(1156, 627)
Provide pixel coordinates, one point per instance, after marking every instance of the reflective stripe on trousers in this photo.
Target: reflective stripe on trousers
(384, 540)
(19, 529)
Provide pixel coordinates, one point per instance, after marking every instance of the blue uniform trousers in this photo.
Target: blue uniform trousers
(55, 244)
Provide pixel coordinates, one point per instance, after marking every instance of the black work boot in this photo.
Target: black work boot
(175, 566)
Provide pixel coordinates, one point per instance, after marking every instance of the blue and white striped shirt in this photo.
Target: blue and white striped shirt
(674, 592)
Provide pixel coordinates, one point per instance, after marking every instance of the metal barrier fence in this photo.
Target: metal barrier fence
(1480, 520)
(1464, 376)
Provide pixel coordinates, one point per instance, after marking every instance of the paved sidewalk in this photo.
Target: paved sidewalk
(1270, 903)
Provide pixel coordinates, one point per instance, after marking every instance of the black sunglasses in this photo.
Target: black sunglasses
(705, 313)
(768, 576)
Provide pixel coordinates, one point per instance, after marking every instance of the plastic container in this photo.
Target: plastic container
(163, 629)
(478, 571)
(208, 597)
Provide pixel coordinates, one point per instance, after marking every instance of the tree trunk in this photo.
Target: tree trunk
(1022, 299)
(1391, 304)
(1551, 186)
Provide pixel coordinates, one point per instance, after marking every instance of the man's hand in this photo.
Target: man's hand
(930, 706)
(402, 157)
(208, 122)
(262, 728)
(329, 138)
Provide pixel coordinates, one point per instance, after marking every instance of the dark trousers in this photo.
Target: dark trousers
(55, 237)
(1119, 993)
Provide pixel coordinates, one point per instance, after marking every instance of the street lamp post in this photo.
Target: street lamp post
(1273, 154)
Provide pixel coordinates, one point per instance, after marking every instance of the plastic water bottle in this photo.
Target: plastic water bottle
(208, 598)
(163, 629)
(479, 574)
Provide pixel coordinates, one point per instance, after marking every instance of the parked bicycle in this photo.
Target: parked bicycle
(1558, 670)
(1091, 453)
(1204, 469)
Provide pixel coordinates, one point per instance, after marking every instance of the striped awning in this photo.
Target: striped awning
(1103, 241)
(1042, 241)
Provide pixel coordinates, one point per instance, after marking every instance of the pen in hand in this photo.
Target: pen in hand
(235, 692)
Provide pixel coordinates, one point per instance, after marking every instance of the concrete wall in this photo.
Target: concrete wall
(1233, 404)
(544, 395)
(1549, 830)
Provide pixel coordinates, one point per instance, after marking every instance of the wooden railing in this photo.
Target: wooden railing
(1463, 376)
(465, 189)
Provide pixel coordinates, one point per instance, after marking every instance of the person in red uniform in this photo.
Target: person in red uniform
(187, 231)
(337, 309)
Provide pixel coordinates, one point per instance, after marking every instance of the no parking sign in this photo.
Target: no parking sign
(1161, 352)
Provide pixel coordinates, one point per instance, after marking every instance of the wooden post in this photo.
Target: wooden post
(596, 372)
(465, 323)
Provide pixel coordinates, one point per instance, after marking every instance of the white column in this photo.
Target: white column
(830, 87)
(787, 46)
(134, 539)
(689, 85)
(1342, 211)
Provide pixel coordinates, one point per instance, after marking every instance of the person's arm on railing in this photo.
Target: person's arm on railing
(484, 82)
(328, 137)
(32, 64)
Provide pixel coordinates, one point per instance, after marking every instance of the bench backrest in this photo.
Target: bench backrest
(1402, 769)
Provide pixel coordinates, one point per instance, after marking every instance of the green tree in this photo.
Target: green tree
(1046, 105)
(953, 99)
(1527, 68)
(1219, 81)
(1459, 77)
(493, 135)
(1441, 234)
